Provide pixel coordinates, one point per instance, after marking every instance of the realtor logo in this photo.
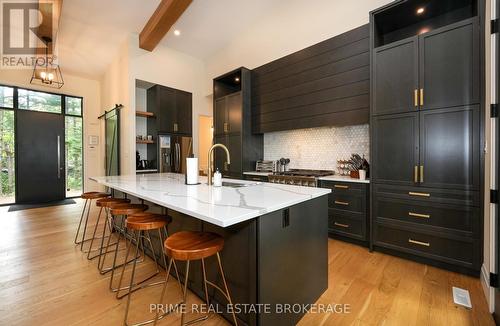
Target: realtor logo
(26, 32)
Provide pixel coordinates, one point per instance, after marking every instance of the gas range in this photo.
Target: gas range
(299, 177)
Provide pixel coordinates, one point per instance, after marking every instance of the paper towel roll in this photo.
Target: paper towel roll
(192, 170)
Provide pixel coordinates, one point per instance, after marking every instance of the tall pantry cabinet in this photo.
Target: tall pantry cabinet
(426, 132)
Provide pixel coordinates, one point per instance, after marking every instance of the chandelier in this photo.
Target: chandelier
(46, 72)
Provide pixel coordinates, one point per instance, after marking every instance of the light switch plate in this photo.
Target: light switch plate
(462, 297)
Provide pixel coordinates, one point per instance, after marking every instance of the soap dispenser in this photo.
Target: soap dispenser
(217, 179)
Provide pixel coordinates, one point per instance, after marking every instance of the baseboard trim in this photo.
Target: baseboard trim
(487, 289)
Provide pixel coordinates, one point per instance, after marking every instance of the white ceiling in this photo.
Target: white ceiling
(91, 31)
(208, 25)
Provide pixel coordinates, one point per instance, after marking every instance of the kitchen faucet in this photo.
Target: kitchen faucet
(210, 151)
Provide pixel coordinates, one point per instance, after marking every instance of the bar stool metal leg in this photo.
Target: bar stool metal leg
(80, 224)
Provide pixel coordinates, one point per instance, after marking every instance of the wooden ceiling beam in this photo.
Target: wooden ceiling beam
(50, 17)
(164, 17)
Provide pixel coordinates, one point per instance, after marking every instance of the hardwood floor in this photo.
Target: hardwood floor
(46, 280)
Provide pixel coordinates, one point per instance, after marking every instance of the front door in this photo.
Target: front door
(40, 157)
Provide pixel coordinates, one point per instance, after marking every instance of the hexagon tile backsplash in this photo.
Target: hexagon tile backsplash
(317, 148)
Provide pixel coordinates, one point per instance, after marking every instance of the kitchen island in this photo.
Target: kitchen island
(276, 250)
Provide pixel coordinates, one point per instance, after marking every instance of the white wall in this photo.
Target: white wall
(171, 68)
(115, 90)
(90, 91)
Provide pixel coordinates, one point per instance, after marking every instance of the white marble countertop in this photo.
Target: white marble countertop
(222, 206)
(342, 179)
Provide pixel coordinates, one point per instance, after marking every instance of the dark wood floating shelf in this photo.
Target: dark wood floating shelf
(144, 114)
(144, 141)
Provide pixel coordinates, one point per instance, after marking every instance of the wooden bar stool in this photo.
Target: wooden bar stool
(124, 210)
(88, 196)
(103, 203)
(187, 246)
(141, 225)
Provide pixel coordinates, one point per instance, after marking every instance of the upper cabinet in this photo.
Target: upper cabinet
(173, 110)
(449, 65)
(395, 77)
(433, 70)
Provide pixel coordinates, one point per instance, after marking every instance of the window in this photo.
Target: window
(74, 156)
(7, 157)
(6, 97)
(73, 105)
(39, 101)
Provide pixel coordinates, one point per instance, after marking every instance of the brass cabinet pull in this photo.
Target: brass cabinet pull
(341, 225)
(176, 127)
(226, 127)
(416, 97)
(415, 174)
(341, 187)
(420, 243)
(225, 166)
(418, 215)
(420, 194)
(421, 174)
(421, 97)
(341, 203)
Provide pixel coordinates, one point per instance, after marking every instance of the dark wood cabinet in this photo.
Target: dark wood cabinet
(348, 210)
(395, 148)
(427, 133)
(232, 124)
(434, 70)
(395, 77)
(449, 65)
(183, 123)
(450, 148)
(172, 108)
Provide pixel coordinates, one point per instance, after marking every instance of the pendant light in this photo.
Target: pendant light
(46, 72)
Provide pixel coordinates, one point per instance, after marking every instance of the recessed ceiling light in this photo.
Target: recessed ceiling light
(177, 32)
(420, 10)
(236, 79)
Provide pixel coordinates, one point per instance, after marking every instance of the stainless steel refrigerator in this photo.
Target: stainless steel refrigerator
(173, 151)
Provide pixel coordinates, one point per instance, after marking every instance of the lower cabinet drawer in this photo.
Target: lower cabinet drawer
(347, 202)
(452, 217)
(448, 250)
(346, 225)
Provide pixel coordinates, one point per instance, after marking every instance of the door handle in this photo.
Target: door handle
(341, 203)
(341, 225)
(415, 97)
(420, 243)
(421, 174)
(419, 194)
(419, 215)
(58, 156)
(415, 174)
(421, 97)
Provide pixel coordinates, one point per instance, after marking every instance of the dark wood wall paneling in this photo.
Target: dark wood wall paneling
(322, 85)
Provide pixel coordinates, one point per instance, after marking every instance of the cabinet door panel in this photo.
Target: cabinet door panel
(395, 77)
(184, 104)
(167, 113)
(449, 65)
(234, 112)
(220, 117)
(449, 147)
(395, 148)
(234, 146)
